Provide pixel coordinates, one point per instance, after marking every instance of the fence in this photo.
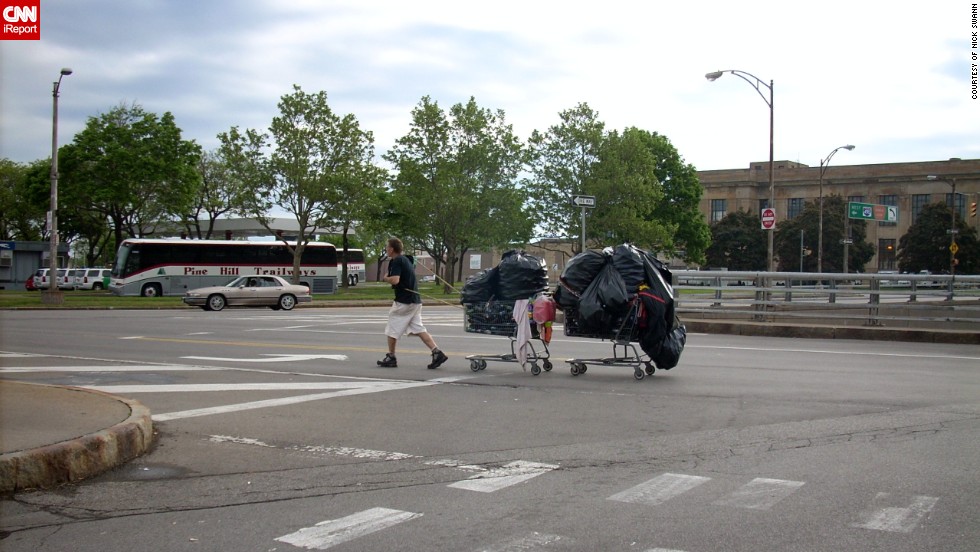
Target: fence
(896, 300)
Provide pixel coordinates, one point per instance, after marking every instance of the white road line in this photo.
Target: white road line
(210, 387)
(889, 514)
(280, 402)
(660, 489)
(333, 532)
(528, 542)
(760, 494)
(504, 476)
(107, 368)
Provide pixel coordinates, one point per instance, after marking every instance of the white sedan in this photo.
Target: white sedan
(250, 291)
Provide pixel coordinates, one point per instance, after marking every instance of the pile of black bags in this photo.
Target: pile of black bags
(517, 276)
(623, 293)
(488, 297)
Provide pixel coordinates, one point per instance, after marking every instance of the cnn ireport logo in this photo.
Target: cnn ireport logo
(21, 19)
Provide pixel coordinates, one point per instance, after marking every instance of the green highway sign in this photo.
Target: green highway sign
(871, 211)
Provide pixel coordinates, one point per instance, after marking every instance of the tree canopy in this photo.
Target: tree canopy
(926, 244)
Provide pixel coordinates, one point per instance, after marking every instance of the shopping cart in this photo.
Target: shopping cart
(623, 333)
(496, 317)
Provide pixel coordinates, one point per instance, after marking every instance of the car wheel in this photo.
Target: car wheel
(287, 302)
(151, 290)
(216, 302)
(97, 286)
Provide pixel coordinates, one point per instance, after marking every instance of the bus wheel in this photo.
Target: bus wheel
(287, 302)
(216, 302)
(151, 290)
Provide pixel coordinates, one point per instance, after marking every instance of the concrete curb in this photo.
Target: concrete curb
(80, 458)
(876, 333)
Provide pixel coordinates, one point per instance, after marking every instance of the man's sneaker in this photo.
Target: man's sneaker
(438, 357)
(389, 361)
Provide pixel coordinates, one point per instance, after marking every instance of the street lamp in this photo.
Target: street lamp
(952, 233)
(823, 168)
(53, 295)
(758, 84)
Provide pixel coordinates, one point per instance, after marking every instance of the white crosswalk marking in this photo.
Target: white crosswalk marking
(330, 533)
(504, 476)
(894, 515)
(760, 493)
(660, 489)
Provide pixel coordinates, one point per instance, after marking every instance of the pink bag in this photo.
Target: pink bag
(544, 309)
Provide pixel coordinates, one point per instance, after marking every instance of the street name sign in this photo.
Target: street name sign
(871, 211)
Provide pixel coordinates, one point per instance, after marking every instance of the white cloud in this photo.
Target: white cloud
(890, 77)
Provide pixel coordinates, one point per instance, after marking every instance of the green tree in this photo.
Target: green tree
(681, 197)
(627, 192)
(455, 187)
(301, 165)
(738, 243)
(925, 246)
(835, 226)
(563, 162)
(130, 168)
(219, 193)
(22, 206)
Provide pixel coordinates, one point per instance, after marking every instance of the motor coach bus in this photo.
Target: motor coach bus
(157, 267)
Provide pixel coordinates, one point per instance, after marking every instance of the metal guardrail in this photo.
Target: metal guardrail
(898, 300)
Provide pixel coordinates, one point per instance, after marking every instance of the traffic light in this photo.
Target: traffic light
(973, 210)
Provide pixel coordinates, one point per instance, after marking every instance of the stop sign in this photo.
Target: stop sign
(768, 219)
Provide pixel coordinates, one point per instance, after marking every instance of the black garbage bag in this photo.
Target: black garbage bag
(670, 350)
(604, 301)
(582, 269)
(520, 276)
(629, 262)
(480, 287)
(651, 322)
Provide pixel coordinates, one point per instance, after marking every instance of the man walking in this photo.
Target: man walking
(405, 315)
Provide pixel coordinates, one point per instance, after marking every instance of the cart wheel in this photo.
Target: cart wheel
(583, 368)
(483, 364)
(638, 374)
(474, 365)
(535, 369)
(547, 365)
(650, 369)
(574, 369)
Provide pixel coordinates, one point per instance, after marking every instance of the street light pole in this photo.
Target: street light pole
(952, 233)
(824, 163)
(758, 84)
(54, 295)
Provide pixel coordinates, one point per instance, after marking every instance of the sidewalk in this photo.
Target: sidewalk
(50, 435)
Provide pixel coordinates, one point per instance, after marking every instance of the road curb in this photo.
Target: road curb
(80, 458)
(877, 333)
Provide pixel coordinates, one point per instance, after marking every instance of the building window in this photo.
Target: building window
(763, 204)
(960, 206)
(918, 202)
(886, 255)
(718, 207)
(794, 206)
(855, 199)
(888, 200)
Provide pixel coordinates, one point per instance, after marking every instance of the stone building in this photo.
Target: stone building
(904, 185)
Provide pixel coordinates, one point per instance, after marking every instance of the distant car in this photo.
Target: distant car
(66, 278)
(429, 278)
(250, 291)
(29, 284)
(92, 278)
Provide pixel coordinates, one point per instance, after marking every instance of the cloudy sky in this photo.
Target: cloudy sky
(892, 78)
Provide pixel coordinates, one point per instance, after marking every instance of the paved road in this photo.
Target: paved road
(278, 432)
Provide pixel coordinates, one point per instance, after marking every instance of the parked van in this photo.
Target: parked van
(92, 278)
(66, 278)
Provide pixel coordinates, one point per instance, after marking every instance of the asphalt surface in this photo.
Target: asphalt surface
(54, 435)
